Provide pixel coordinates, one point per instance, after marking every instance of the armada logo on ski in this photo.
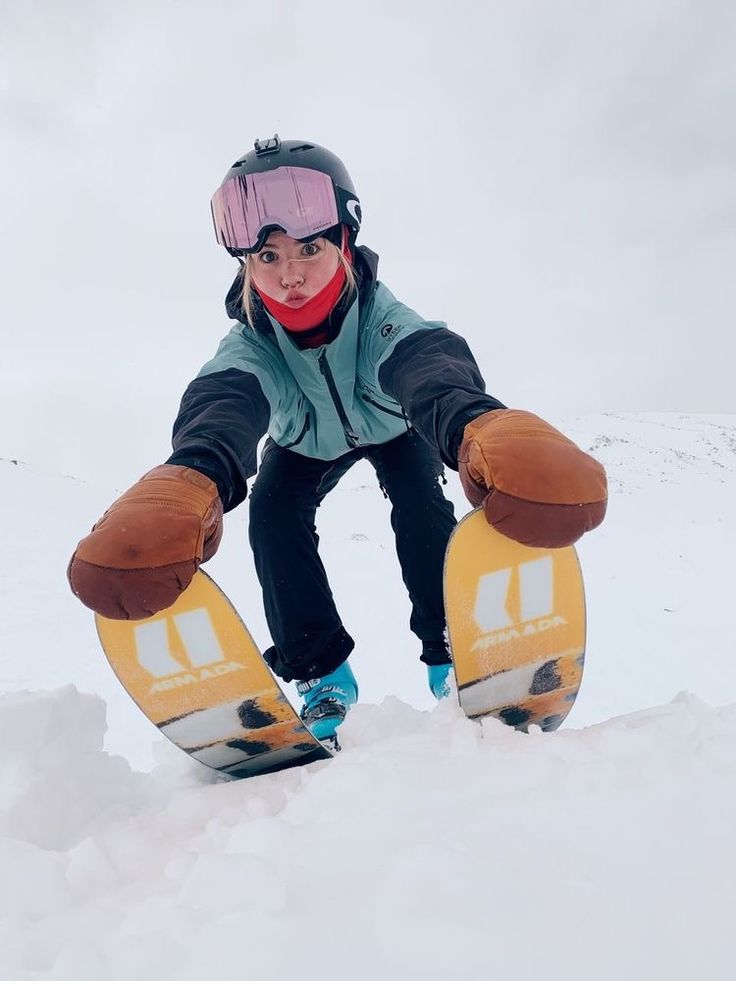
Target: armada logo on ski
(194, 678)
(516, 602)
(516, 633)
(182, 649)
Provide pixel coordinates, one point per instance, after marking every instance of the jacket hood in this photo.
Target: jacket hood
(366, 275)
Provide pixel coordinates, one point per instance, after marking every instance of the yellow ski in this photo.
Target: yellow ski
(516, 623)
(196, 673)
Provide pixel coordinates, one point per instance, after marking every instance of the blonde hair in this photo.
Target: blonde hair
(247, 281)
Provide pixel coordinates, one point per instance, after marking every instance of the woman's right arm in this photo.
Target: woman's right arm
(145, 549)
(222, 417)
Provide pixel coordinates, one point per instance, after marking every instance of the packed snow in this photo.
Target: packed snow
(431, 847)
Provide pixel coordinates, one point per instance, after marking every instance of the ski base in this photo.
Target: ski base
(516, 625)
(196, 673)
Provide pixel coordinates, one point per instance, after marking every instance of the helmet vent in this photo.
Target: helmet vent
(302, 146)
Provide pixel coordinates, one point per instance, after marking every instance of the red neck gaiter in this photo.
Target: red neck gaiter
(311, 313)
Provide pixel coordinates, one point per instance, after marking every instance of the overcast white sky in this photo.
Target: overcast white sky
(554, 179)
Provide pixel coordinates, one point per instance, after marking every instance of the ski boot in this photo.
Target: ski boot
(326, 703)
(435, 655)
(438, 676)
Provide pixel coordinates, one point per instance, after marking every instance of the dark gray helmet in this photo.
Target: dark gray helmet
(269, 155)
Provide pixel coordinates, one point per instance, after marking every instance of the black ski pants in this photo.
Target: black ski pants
(308, 637)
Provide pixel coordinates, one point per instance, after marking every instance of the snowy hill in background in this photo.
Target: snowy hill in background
(432, 847)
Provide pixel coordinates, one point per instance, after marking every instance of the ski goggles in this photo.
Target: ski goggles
(246, 207)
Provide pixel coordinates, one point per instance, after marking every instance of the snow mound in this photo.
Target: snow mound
(432, 847)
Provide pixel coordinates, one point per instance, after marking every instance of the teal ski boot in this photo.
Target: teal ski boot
(326, 703)
(438, 676)
(436, 655)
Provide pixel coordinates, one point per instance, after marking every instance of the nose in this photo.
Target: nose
(292, 275)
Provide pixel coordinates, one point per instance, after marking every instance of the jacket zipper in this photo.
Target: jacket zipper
(300, 437)
(350, 437)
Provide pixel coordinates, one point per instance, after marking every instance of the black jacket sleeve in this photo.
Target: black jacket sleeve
(221, 419)
(433, 375)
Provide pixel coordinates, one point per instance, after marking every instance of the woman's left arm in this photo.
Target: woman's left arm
(433, 375)
(534, 484)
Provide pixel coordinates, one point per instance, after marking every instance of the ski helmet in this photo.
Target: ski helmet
(288, 185)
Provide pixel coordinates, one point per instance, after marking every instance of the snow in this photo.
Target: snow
(432, 847)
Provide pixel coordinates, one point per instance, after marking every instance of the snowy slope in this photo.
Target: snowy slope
(432, 847)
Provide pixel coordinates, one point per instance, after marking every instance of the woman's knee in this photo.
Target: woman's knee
(407, 489)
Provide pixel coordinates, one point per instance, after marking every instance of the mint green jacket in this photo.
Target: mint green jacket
(386, 370)
(326, 401)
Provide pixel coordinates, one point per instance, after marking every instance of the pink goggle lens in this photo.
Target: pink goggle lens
(300, 201)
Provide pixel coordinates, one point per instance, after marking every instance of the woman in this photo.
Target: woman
(335, 369)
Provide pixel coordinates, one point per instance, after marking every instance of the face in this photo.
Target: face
(292, 272)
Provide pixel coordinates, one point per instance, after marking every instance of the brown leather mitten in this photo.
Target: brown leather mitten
(536, 486)
(146, 547)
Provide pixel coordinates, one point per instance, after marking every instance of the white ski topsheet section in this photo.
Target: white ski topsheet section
(432, 847)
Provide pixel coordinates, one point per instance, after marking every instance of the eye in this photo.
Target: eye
(310, 249)
(268, 256)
